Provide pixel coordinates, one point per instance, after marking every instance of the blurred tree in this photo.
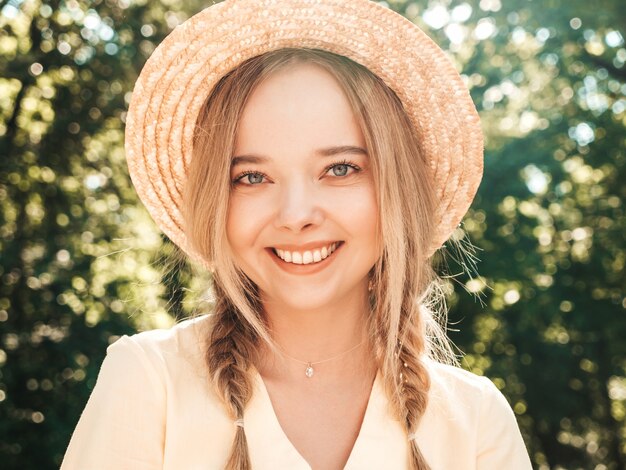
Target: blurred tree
(548, 78)
(78, 253)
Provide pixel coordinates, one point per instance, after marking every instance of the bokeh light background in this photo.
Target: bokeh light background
(542, 312)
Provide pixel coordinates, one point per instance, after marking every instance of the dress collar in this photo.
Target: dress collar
(381, 442)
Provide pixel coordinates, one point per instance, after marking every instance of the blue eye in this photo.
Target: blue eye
(254, 178)
(341, 169)
(251, 178)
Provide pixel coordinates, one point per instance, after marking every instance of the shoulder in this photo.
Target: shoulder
(464, 396)
(164, 350)
(185, 337)
(454, 380)
(472, 412)
(470, 385)
(452, 373)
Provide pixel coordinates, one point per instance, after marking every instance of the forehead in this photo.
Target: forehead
(299, 108)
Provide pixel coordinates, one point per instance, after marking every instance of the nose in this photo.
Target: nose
(299, 207)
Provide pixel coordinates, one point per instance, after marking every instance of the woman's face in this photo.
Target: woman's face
(302, 218)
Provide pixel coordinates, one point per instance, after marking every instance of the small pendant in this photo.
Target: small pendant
(309, 370)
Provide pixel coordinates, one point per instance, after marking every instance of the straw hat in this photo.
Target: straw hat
(183, 69)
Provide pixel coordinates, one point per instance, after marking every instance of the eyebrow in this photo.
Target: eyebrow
(324, 152)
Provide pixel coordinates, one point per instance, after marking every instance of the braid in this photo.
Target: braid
(405, 376)
(414, 385)
(231, 347)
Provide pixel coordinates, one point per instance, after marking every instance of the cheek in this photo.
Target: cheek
(246, 216)
(362, 218)
(358, 208)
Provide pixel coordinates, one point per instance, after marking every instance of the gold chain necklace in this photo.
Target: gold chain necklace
(309, 365)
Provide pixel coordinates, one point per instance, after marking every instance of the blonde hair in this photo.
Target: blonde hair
(406, 300)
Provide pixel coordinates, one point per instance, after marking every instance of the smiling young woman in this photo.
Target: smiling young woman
(314, 176)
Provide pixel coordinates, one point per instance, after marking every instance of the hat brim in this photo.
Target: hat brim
(184, 68)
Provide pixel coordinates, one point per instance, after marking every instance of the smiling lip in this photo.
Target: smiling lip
(311, 268)
(307, 246)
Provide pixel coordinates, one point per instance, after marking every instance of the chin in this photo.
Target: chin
(302, 300)
(310, 297)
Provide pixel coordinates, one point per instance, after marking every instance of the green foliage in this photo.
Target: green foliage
(549, 217)
(78, 252)
(79, 255)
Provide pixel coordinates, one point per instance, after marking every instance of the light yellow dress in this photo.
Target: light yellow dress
(152, 408)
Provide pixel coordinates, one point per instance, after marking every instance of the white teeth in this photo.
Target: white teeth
(307, 257)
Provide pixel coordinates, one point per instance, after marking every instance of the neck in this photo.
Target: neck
(319, 334)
